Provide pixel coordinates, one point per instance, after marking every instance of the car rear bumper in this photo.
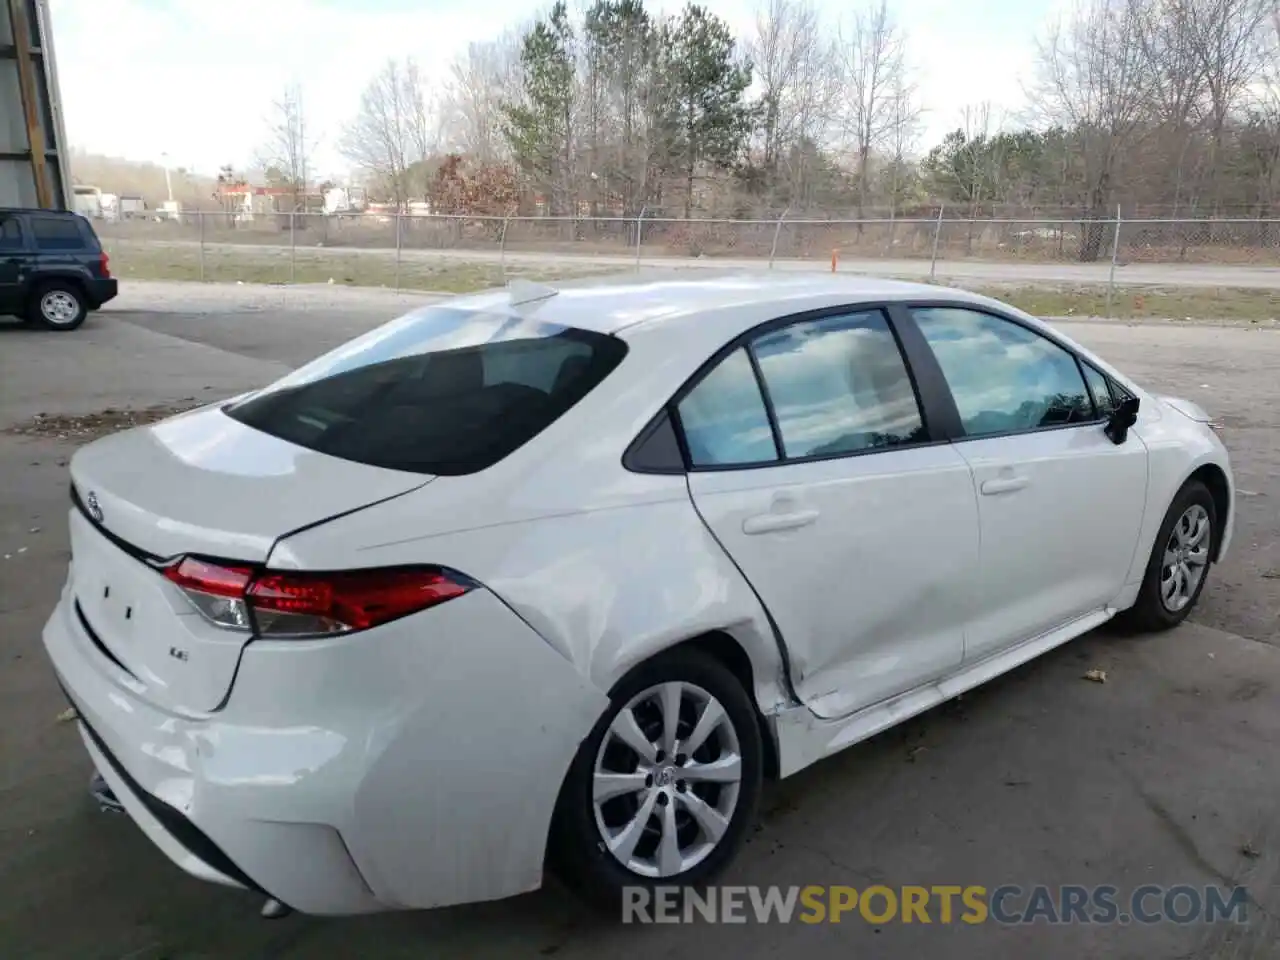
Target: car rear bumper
(416, 765)
(101, 291)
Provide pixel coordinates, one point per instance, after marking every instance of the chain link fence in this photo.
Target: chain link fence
(454, 252)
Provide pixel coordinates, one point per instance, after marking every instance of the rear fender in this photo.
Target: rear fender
(584, 582)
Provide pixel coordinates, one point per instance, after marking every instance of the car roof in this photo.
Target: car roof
(616, 303)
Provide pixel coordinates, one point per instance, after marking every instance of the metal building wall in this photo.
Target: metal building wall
(30, 109)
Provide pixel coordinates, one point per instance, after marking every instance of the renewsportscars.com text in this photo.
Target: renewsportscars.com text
(938, 904)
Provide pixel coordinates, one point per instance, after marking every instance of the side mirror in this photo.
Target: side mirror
(1122, 418)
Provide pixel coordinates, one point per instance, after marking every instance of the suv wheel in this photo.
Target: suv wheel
(58, 306)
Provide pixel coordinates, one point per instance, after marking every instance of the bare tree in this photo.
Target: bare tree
(980, 125)
(1176, 76)
(290, 144)
(594, 106)
(392, 134)
(796, 65)
(873, 57)
(785, 35)
(480, 79)
(1094, 81)
(1271, 71)
(1166, 39)
(1260, 137)
(969, 162)
(1227, 40)
(905, 118)
(425, 126)
(632, 112)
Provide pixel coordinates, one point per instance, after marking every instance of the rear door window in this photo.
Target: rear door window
(724, 419)
(440, 391)
(57, 233)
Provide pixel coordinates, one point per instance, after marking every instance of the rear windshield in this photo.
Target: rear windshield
(442, 390)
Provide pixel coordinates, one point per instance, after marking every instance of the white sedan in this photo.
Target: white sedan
(541, 577)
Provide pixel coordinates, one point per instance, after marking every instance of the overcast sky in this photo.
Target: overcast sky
(194, 79)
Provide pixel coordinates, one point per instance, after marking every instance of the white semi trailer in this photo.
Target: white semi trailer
(33, 148)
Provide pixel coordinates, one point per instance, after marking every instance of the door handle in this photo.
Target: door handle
(1003, 485)
(769, 522)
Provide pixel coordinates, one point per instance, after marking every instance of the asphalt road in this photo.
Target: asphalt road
(1164, 774)
(1193, 275)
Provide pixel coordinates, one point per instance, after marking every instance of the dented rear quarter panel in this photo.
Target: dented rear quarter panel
(607, 588)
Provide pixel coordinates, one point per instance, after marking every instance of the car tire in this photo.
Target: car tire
(1171, 555)
(58, 305)
(579, 852)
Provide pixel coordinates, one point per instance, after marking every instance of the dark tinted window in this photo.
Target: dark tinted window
(441, 391)
(1005, 378)
(10, 233)
(1100, 387)
(724, 418)
(839, 385)
(57, 233)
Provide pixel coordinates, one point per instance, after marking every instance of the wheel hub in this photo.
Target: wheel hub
(59, 307)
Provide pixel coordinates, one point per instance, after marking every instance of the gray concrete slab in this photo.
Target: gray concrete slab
(1164, 774)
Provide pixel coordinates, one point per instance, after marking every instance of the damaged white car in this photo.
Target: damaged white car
(556, 578)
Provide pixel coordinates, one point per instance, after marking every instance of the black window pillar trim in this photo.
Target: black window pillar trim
(658, 448)
(766, 399)
(938, 405)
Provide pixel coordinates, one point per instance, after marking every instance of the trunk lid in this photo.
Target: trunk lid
(205, 484)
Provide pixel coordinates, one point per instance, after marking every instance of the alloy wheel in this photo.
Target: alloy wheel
(1186, 557)
(666, 780)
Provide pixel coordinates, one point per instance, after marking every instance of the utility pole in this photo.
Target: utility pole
(168, 183)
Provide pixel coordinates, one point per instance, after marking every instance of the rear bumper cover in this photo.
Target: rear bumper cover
(102, 291)
(413, 766)
(166, 826)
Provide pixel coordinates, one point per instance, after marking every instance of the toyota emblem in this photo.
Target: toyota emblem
(95, 509)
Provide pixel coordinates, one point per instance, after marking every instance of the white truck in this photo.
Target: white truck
(90, 202)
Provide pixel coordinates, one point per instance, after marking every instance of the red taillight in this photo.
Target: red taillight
(294, 604)
(104, 269)
(215, 590)
(338, 602)
(204, 577)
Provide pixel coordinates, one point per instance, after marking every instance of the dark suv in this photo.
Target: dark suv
(52, 268)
